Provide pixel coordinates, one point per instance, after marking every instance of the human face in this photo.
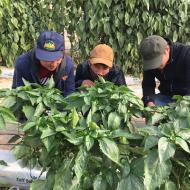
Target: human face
(51, 65)
(100, 69)
(165, 58)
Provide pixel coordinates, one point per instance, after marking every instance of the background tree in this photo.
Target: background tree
(21, 22)
(119, 23)
(123, 24)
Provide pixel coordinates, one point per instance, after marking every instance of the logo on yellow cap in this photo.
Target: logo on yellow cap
(49, 45)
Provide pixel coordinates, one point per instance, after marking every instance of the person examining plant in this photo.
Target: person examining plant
(100, 63)
(168, 62)
(44, 61)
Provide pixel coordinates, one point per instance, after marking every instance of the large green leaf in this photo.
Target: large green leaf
(99, 183)
(85, 108)
(108, 3)
(14, 21)
(93, 125)
(49, 142)
(149, 130)
(39, 110)
(137, 167)
(16, 37)
(147, 4)
(157, 117)
(76, 141)
(89, 142)
(23, 95)
(167, 129)
(74, 118)
(122, 108)
(89, 117)
(38, 184)
(156, 172)
(20, 151)
(28, 126)
(81, 162)
(9, 101)
(28, 111)
(114, 120)
(150, 142)
(166, 149)
(182, 143)
(139, 37)
(7, 115)
(120, 38)
(125, 168)
(72, 138)
(184, 134)
(130, 182)
(169, 185)
(47, 132)
(63, 177)
(2, 122)
(123, 133)
(110, 149)
(51, 83)
(50, 180)
(188, 119)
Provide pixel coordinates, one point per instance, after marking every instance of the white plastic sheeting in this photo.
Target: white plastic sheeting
(14, 174)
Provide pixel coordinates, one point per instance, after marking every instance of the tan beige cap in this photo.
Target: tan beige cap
(103, 54)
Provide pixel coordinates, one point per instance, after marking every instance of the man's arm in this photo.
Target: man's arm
(69, 81)
(148, 87)
(116, 76)
(187, 74)
(79, 76)
(120, 80)
(18, 75)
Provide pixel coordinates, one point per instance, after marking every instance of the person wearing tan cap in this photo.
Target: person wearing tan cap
(168, 62)
(100, 63)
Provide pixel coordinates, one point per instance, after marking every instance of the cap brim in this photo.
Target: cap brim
(47, 55)
(102, 61)
(152, 63)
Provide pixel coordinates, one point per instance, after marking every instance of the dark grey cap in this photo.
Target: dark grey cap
(152, 49)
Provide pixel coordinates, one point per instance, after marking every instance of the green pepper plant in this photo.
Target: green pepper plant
(88, 140)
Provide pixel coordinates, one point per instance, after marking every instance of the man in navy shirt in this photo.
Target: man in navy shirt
(169, 63)
(100, 63)
(46, 60)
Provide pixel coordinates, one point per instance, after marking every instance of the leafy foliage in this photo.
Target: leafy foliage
(27, 19)
(172, 137)
(32, 100)
(81, 149)
(6, 116)
(76, 147)
(123, 24)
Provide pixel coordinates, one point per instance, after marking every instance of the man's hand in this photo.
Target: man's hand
(88, 83)
(151, 104)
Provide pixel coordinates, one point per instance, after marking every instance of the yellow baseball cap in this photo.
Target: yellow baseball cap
(103, 54)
